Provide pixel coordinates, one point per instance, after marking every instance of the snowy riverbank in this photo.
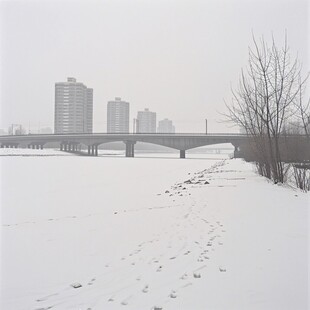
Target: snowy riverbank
(150, 233)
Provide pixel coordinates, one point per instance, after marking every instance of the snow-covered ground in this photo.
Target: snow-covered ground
(152, 232)
(31, 152)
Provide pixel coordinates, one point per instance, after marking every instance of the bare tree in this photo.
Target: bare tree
(264, 100)
(303, 109)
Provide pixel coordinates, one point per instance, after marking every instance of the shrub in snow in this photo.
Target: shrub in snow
(302, 176)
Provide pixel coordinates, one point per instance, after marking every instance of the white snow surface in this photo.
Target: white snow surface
(148, 233)
(31, 152)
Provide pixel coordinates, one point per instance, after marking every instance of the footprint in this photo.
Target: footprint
(125, 301)
(91, 282)
(145, 289)
(46, 297)
(173, 294)
(187, 285)
(184, 276)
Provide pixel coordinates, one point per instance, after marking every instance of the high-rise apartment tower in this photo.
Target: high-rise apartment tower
(165, 126)
(118, 116)
(73, 107)
(146, 122)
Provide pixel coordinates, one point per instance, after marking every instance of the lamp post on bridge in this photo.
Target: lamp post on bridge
(206, 126)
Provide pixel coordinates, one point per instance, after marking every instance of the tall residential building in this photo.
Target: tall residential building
(73, 107)
(165, 126)
(118, 116)
(146, 121)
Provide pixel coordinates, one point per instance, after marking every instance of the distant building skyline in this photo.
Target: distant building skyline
(165, 126)
(118, 116)
(73, 107)
(146, 121)
(16, 129)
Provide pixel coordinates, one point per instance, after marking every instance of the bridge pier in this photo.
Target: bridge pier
(236, 151)
(9, 145)
(182, 153)
(130, 148)
(69, 146)
(92, 150)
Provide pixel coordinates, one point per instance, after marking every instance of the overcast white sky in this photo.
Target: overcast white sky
(175, 57)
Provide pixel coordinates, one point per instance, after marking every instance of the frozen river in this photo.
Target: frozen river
(151, 232)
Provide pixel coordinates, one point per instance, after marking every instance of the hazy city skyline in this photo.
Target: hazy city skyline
(178, 58)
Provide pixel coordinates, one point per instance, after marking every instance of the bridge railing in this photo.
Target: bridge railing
(126, 133)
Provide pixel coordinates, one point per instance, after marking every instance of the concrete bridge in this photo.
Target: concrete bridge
(74, 142)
